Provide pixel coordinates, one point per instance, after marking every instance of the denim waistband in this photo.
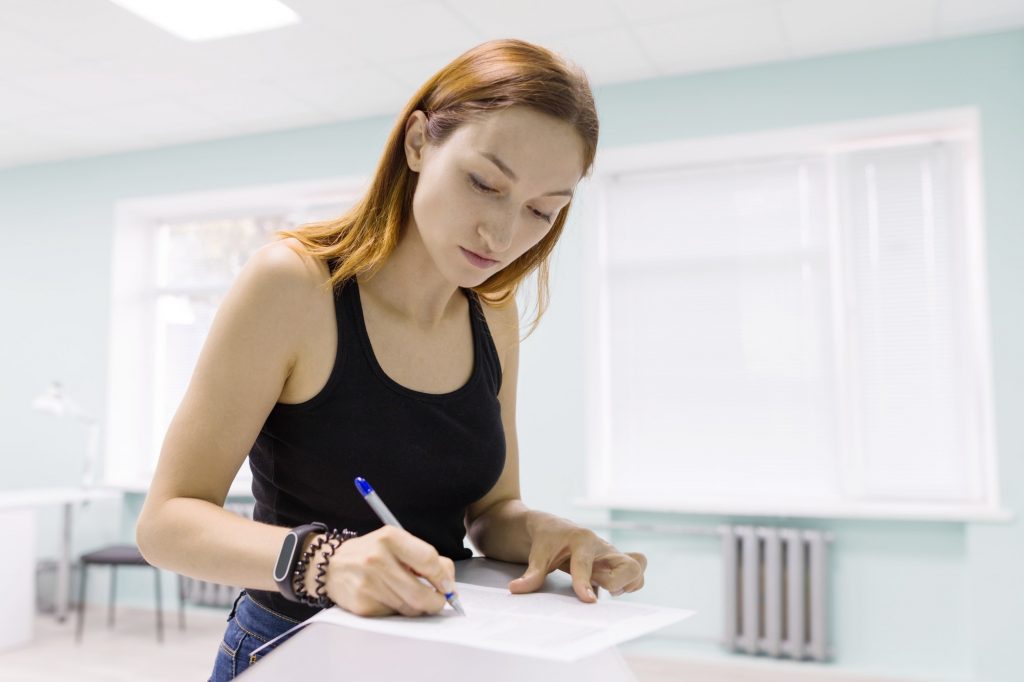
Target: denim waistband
(234, 607)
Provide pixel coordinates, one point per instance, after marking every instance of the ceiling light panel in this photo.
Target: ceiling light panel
(210, 19)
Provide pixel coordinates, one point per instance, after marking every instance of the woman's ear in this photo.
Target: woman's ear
(415, 140)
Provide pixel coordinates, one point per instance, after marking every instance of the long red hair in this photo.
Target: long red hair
(491, 76)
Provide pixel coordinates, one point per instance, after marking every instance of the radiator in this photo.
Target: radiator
(775, 596)
(203, 593)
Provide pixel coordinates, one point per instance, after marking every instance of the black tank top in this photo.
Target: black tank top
(427, 455)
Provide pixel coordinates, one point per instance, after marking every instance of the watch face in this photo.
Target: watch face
(284, 559)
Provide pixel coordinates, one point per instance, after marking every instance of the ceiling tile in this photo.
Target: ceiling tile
(608, 56)
(86, 73)
(277, 53)
(248, 102)
(828, 26)
(381, 33)
(533, 20)
(956, 17)
(141, 123)
(20, 55)
(52, 19)
(20, 105)
(713, 41)
(74, 85)
(349, 93)
(411, 73)
(88, 29)
(334, 11)
(20, 146)
(639, 11)
(144, 80)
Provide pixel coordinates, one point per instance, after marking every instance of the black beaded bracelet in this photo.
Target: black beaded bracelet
(300, 570)
(333, 540)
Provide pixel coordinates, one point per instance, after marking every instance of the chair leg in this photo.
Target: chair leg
(113, 592)
(82, 582)
(181, 602)
(159, 608)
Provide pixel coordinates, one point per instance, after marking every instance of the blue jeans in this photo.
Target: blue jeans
(250, 626)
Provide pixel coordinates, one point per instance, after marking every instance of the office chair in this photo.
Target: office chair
(114, 556)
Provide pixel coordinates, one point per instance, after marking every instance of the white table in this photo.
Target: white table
(330, 652)
(18, 531)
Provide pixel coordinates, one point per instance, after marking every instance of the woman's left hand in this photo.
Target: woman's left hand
(559, 544)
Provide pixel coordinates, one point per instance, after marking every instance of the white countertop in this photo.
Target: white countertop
(239, 488)
(38, 497)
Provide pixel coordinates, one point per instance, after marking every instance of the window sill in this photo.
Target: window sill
(859, 511)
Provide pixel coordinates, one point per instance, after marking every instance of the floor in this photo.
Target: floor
(130, 652)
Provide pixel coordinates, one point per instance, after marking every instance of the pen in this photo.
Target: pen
(378, 506)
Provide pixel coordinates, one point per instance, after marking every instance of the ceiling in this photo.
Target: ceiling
(85, 77)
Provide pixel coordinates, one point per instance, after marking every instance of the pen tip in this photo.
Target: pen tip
(454, 601)
(363, 486)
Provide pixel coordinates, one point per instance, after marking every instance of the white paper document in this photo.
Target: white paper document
(541, 625)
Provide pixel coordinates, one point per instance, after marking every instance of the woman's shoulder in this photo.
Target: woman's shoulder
(283, 281)
(289, 262)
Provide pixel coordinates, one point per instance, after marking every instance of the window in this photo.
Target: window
(197, 260)
(174, 260)
(792, 323)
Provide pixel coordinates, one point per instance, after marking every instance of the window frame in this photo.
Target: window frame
(815, 140)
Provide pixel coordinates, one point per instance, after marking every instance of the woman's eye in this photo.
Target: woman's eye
(480, 186)
(546, 217)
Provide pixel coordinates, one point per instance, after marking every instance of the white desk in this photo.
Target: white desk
(18, 530)
(331, 652)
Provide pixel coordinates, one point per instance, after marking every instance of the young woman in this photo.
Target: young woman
(384, 344)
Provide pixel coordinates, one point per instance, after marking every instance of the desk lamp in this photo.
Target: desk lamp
(54, 401)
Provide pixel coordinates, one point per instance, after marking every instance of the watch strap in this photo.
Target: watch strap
(289, 556)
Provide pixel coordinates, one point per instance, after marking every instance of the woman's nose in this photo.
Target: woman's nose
(497, 235)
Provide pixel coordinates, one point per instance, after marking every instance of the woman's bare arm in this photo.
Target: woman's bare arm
(241, 371)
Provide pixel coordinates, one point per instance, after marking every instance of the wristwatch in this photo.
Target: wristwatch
(288, 557)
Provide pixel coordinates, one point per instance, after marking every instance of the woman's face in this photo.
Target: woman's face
(493, 189)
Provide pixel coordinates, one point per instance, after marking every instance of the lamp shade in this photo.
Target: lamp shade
(52, 401)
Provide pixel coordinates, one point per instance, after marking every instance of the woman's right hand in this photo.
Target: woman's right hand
(376, 575)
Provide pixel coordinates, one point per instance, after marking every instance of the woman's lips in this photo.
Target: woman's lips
(478, 261)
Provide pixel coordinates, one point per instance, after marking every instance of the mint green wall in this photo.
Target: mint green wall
(938, 601)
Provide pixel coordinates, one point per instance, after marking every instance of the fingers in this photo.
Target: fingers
(641, 558)
(414, 598)
(581, 567)
(394, 588)
(449, 577)
(422, 559)
(631, 586)
(384, 602)
(620, 573)
(392, 571)
(533, 578)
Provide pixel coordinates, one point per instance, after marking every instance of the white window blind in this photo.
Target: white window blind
(912, 400)
(791, 332)
(721, 358)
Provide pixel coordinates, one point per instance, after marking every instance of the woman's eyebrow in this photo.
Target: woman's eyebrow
(512, 176)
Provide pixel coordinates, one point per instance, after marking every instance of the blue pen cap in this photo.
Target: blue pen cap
(363, 486)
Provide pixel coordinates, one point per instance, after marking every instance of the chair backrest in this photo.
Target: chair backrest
(203, 593)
